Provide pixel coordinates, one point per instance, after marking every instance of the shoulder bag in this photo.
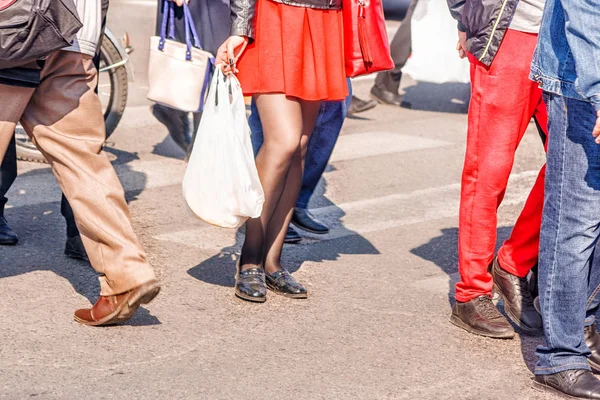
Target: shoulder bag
(366, 44)
(33, 29)
(178, 73)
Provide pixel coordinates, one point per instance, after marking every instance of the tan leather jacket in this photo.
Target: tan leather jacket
(243, 12)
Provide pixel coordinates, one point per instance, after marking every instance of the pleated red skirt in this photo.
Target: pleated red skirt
(297, 51)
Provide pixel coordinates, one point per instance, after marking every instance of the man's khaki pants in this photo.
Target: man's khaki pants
(64, 119)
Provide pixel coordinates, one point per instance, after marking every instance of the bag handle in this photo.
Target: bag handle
(168, 20)
(191, 25)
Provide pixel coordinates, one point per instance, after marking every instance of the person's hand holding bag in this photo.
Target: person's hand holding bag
(180, 2)
(230, 52)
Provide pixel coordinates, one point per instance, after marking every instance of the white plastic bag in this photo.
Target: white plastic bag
(434, 36)
(221, 184)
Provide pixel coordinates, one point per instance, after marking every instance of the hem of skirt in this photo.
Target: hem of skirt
(301, 97)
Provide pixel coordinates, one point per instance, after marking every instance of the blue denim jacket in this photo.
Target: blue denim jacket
(567, 58)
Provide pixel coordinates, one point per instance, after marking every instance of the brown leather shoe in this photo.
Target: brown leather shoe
(481, 317)
(110, 310)
(571, 384)
(518, 301)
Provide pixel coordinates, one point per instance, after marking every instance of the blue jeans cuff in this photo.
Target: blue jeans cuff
(554, 366)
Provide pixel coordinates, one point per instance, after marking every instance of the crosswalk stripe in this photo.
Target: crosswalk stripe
(36, 187)
(368, 144)
(370, 215)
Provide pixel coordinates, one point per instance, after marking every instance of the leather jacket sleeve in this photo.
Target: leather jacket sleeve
(456, 9)
(242, 17)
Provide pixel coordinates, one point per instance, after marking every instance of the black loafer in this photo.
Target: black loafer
(282, 282)
(303, 219)
(74, 249)
(572, 384)
(292, 237)
(8, 237)
(250, 285)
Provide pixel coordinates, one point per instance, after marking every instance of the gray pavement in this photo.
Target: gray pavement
(374, 327)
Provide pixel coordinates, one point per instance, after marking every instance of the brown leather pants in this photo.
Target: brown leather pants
(63, 117)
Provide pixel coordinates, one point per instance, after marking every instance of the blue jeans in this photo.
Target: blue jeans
(320, 146)
(569, 277)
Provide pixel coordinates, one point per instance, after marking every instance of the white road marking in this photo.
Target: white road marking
(370, 144)
(40, 187)
(367, 216)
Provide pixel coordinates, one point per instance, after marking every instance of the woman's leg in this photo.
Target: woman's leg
(282, 125)
(282, 215)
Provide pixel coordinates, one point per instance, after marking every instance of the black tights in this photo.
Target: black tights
(287, 125)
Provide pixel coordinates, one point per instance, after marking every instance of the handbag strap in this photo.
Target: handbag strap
(191, 25)
(168, 20)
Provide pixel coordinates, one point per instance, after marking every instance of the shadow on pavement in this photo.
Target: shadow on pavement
(42, 239)
(220, 269)
(442, 251)
(439, 97)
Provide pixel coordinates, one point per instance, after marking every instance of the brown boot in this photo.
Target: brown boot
(518, 300)
(481, 317)
(110, 310)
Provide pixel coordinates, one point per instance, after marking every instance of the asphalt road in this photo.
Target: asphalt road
(381, 283)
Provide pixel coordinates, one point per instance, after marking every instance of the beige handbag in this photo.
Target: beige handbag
(178, 73)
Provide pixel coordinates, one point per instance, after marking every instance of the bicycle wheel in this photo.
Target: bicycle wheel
(112, 90)
(112, 85)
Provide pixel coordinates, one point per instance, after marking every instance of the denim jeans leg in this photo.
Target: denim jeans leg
(256, 129)
(570, 229)
(593, 302)
(322, 142)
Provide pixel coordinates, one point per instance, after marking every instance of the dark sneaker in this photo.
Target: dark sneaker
(574, 383)
(304, 220)
(481, 317)
(358, 105)
(592, 341)
(518, 301)
(8, 237)
(291, 236)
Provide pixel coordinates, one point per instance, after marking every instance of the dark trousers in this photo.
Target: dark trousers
(8, 173)
(400, 49)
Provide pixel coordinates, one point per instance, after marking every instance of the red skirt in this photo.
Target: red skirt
(297, 51)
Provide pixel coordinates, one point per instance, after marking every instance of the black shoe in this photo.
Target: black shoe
(303, 219)
(358, 105)
(8, 237)
(291, 236)
(250, 284)
(518, 301)
(592, 341)
(481, 317)
(574, 384)
(74, 249)
(177, 123)
(282, 282)
(387, 97)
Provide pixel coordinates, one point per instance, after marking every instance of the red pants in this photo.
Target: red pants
(503, 101)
